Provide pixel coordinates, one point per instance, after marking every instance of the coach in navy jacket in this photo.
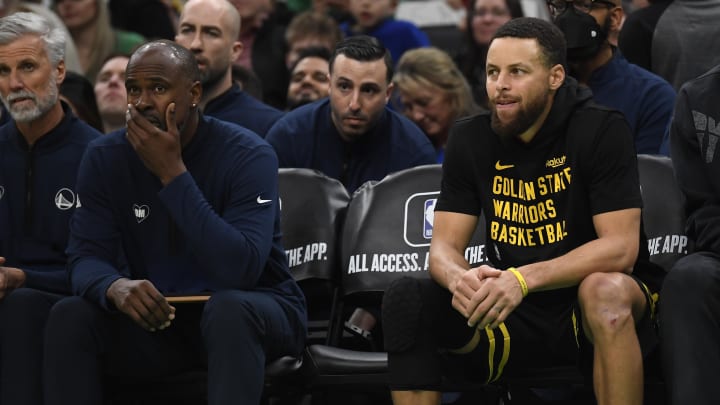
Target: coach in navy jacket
(40, 150)
(191, 204)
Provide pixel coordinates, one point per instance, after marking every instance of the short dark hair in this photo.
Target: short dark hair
(187, 63)
(363, 48)
(551, 39)
(311, 52)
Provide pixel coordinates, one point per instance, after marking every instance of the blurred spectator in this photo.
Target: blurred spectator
(674, 39)
(376, 19)
(247, 81)
(209, 29)
(110, 92)
(432, 93)
(644, 98)
(483, 18)
(89, 24)
(310, 29)
(78, 92)
(309, 77)
(7, 7)
(262, 33)
(153, 19)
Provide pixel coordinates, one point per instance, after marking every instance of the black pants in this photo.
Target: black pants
(428, 340)
(235, 333)
(23, 314)
(690, 330)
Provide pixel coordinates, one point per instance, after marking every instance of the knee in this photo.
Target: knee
(24, 301)
(606, 301)
(228, 311)
(691, 278)
(70, 316)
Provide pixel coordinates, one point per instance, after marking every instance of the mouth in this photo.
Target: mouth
(505, 103)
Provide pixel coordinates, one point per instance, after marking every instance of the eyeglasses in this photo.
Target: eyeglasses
(557, 7)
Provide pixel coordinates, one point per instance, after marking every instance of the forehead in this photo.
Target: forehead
(311, 63)
(154, 63)
(490, 3)
(115, 64)
(27, 47)
(512, 51)
(207, 13)
(359, 71)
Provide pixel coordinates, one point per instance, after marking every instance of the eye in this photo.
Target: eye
(4, 70)
(27, 67)
(320, 77)
(344, 86)
(159, 88)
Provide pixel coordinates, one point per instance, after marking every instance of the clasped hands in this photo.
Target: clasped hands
(485, 296)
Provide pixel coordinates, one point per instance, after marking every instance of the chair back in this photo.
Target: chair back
(663, 211)
(387, 231)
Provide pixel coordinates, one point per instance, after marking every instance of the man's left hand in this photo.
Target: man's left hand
(502, 295)
(160, 151)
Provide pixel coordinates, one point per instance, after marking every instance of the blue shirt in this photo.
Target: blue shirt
(306, 137)
(646, 99)
(37, 198)
(238, 107)
(396, 35)
(215, 227)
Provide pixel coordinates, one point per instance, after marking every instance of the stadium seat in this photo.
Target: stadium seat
(386, 236)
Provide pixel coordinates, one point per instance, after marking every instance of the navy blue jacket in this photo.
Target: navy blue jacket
(645, 98)
(306, 137)
(215, 227)
(38, 197)
(238, 107)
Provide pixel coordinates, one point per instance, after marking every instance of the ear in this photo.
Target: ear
(60, 72)
(196, 92)
(557, 77)
(617, 15)
(236, 50)
(389, 91)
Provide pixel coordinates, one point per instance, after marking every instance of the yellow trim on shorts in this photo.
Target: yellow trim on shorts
(491, 352)
(506, 350)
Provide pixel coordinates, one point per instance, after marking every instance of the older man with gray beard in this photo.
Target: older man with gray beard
(40, 150)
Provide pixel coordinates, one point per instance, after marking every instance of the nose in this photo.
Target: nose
(417, 114)
(115, 80)
(141, 101)
(196, 42)
(355, 104)
(16, 83)
(502, 82)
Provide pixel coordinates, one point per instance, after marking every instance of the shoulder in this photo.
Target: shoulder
(81, 132)
(705, 84)
(308, 115)
(125, 41)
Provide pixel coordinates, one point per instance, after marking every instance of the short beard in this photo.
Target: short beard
(210, 79)
(41, 107)
(526, 117)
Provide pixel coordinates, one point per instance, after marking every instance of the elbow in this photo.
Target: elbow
(626, 257)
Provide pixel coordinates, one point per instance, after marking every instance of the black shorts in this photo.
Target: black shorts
(544, 331)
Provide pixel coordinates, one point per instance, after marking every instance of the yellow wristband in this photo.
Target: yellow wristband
(521, 280)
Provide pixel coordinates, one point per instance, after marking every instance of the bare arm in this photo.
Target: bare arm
(615, 250)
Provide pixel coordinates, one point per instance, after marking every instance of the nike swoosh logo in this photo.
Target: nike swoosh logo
(499, 167)
(261, 201)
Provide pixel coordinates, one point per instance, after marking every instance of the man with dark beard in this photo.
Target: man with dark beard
(646, 100)
(352, 135)
(569, 281)
(40, 151)
(209, 28)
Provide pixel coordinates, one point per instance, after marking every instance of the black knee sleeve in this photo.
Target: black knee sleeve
(401, 309)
